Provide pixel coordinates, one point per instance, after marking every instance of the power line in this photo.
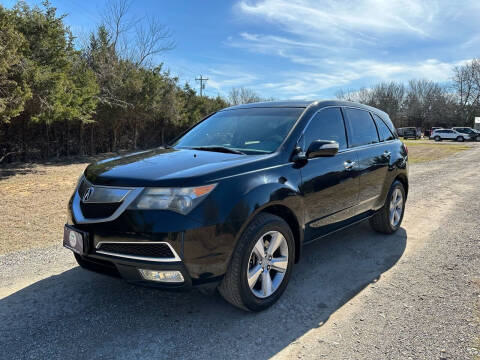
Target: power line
(202, 85)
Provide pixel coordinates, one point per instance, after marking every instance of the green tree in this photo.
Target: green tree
(13, 88)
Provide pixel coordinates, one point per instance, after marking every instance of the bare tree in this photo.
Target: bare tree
(423, 103)
(135, 39)
(242, 95)
(152, 39)
(115, 19)
(466, 83)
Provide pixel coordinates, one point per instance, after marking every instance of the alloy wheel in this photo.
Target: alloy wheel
(267, 264)
(396, 207)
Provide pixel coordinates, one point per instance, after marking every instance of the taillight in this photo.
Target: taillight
(406, 148)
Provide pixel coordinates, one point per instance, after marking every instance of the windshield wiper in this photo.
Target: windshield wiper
(218, 149)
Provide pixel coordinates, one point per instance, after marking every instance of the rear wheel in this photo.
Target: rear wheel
(438, 138)
(389, 218)
(460, 138)
(261, 264)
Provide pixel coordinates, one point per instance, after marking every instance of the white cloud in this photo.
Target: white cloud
(311, 84)
(225, 77)
(335, 43)
(338, 19)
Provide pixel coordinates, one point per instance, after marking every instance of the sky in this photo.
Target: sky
(302, 49)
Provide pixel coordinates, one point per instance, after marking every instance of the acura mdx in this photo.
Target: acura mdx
(232, 200)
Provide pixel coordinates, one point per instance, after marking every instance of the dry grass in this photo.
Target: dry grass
(422, 151)
(33, 204)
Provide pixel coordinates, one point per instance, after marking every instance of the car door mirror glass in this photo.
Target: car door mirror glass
(319, 148)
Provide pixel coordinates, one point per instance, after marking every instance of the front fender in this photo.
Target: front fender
(260, 198)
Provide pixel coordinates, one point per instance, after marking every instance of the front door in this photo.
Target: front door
(329, 187)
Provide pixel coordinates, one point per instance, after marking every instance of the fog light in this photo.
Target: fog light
(168, 276)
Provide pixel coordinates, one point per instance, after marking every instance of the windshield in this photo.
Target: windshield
(250, 130)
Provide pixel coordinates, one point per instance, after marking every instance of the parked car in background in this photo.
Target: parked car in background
(474, 134)
(449, 134)
(410, 133)
(233, 199)
(429, 132)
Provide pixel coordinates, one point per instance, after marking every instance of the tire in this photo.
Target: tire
(437, 138)
(235, 287)
(382, 220)
(460, 138)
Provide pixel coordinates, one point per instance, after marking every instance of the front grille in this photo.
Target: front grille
(159, 250)
(98, 210)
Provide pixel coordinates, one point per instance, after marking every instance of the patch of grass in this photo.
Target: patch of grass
(422, 151)
(34, 198)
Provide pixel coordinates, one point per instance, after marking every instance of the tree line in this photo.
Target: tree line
(59, 98)
(106, 95)
(424, 103)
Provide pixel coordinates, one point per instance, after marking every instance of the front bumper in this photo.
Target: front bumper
(200, 254)
(128, 269)
(202, 242)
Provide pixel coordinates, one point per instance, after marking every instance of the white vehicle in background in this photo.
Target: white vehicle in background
(474, 134)
(448, 134)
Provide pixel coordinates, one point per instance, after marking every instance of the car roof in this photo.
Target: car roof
(305, 104)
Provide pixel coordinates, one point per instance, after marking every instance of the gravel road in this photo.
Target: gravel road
(355, 295)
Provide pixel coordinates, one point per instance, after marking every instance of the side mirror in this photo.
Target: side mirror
(320, 148)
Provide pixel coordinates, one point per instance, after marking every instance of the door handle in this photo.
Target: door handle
(387, 154)
(349, 165)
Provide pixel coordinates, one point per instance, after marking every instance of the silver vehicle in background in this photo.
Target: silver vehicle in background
(472, 133)
(449, 134)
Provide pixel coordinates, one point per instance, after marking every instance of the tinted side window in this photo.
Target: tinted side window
(362, 127)
(383, 130)
(327, 124)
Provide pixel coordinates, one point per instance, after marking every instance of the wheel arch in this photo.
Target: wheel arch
(404, 180)
(290, 218)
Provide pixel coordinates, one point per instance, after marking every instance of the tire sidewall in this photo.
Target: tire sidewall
(249, 299)
(437, 138)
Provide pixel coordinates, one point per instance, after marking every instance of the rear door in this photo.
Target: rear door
(329, 186)
(449, 134)
(373, 158)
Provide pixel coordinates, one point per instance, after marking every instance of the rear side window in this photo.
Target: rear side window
(362, 128)
(383, 130)
(327, 124)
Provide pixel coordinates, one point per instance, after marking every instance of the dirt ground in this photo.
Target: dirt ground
(34, 203)
(356, 294)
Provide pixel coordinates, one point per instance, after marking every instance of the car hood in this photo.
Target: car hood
(169, 167)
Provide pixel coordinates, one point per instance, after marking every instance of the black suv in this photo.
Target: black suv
(232, 200)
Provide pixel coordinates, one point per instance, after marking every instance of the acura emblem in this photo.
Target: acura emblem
(87, 194)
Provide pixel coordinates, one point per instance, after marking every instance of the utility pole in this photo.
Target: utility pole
(202, 85)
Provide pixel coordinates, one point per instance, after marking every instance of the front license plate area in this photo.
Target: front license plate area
(74, 239)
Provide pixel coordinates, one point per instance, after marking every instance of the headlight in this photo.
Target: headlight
(181, 200)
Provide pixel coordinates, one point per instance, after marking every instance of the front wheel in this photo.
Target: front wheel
(261, 264)
(460, 138)
(438, 138)
(389, 218)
